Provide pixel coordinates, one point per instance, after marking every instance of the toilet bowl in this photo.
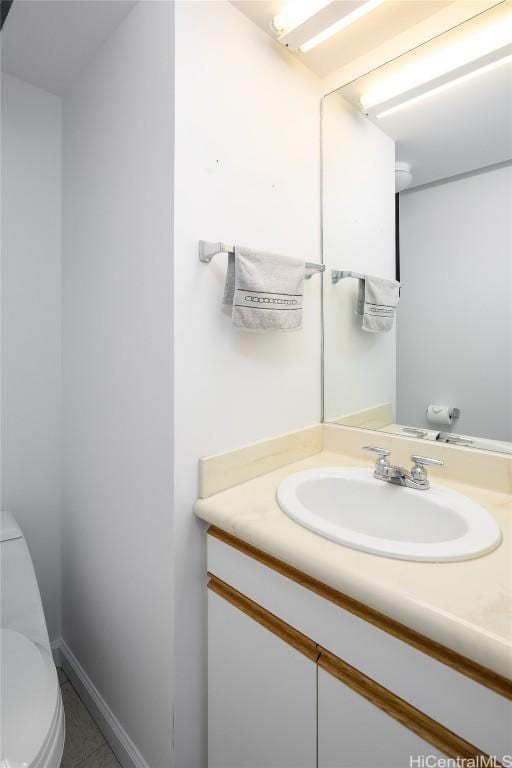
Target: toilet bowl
(31, 714)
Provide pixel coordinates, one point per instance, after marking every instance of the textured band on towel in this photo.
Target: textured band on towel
(265, 290)
(377, 301)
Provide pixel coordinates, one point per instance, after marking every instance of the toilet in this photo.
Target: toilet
(31, 714)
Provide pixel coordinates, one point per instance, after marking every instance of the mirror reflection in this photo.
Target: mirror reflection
(417, 237)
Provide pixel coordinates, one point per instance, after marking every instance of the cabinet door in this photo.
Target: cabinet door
(261, 695)
(354, 733)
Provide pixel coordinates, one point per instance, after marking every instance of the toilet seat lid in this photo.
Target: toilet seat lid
(29, 697)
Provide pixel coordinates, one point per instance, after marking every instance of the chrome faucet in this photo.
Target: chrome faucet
(415, 478)
(449, 437)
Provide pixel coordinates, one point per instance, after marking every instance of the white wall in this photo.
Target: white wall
(455, 317)
(359, 234)
(247, 171)
(117, 375)
(30, 412)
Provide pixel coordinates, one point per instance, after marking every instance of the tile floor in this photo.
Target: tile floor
(84, 745)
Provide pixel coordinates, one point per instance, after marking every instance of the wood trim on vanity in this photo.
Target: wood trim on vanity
(287, 633)
(452, 659)
(425, 727)
(413, 719)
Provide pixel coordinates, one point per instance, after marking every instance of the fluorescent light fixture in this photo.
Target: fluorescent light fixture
(345, 21)
(304, 24)
(296, 12)
(445, 86)
(444, 65)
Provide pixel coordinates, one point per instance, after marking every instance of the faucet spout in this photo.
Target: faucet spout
(398, 475)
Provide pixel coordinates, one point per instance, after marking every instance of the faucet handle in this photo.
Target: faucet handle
(382, 466)
(383, 452)
(418, 472)
(426, 461)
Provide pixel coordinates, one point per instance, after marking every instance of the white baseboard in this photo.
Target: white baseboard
(117, 738)
(55, 646)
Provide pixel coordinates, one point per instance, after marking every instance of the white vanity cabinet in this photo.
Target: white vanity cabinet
(261, 695)
(270, 705)
(301, 675)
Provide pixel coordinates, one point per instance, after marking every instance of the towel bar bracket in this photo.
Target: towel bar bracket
(208, 250)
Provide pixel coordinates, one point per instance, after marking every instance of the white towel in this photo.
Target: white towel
(376, 302)
(265, 290)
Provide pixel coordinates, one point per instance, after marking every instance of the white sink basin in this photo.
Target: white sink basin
(351, 507)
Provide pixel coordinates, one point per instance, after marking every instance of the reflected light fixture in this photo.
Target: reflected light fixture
(304, 24)
(445, 86)
(470, 55)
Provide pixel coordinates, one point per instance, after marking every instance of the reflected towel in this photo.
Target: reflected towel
(265, 290)
(376, 302)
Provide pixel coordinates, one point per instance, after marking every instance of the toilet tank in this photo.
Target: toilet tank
(21, 608)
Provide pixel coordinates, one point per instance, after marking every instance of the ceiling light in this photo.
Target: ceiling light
(304, 24)
(296, 12)
(445, 86)
(403, 176)
(345, 21)
(433, 70)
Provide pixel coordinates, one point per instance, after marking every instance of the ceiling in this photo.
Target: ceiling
(49, 42)
(458, 130)
(386, 21)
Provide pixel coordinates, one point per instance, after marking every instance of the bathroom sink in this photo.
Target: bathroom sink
(349, 506)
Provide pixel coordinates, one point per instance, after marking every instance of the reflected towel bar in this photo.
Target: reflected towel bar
(340, 274)
(208, 250)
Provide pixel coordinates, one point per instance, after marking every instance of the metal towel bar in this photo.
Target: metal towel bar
(208, 250)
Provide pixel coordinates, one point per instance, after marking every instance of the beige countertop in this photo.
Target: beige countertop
(465, 606)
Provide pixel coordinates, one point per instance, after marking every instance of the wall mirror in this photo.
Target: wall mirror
(417, 187)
